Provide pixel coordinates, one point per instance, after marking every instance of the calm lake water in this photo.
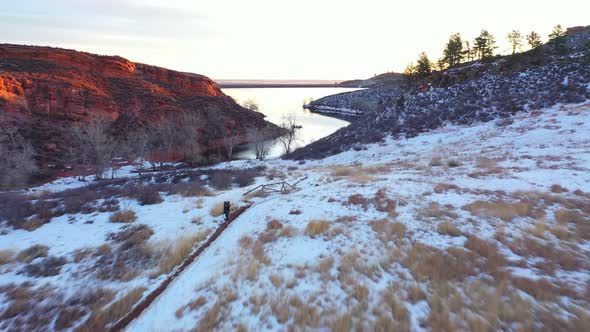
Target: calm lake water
(276, 103)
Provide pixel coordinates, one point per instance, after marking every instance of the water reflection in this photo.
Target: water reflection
(276, 103)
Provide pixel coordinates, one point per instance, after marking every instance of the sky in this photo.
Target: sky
(276, 39)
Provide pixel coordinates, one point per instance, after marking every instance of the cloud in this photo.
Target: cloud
(31, 19)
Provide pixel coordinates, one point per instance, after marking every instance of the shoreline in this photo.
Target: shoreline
(276, 85)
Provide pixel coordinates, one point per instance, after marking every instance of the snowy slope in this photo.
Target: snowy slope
(365, 270)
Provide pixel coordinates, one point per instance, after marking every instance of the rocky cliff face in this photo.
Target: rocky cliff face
(43, 90)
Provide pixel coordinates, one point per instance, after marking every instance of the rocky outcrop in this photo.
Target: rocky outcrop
(44, 90)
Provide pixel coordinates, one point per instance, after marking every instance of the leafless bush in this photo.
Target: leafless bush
(220, 181)
(91, 144)
(358, 199)
(49, 266)
(291, 133)
(130, 257)
(17, 164)
(261, 145)
(29, 254)
(148, 195)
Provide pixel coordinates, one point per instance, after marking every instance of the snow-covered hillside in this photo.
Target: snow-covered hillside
(480, 227)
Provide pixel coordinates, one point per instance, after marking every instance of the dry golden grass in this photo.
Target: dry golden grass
(252, 270)
(361, 293)
(273, 224)
(415, 294)
(325, 266)
(502, 209)
(211, 319)
(558, 189)
(447, 228)
(280, 309)
(538, 229)
(342, 323)
(199, 203)
(276, 280)
(32, 252)
(440, 188)
(288, 231)
(123, 216)
(174, 254)
(437, 211)
(6, 256)
(217, 209)
(246, 242)
(316, 228)
(387, 230)
(340, 171)
(256, 194)
(101, 318)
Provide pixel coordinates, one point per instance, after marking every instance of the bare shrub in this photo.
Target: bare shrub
(148, 195)
(129, 257)
(358, 199)
(6, 256)
(558, 189)
(49, 266)
(447, 228)
(29, 254)
(440, 188)
(220, 181)
(123, 216)
(291, 128)
(384, 204)
(316, 227)
(246, 177)
(273, 225)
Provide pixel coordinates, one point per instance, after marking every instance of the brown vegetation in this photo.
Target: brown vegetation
(123, 216)
(316, 227)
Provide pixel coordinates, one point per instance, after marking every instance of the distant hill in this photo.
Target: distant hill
(386, 80)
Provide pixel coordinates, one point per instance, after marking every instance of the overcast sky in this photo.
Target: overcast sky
(275, 39)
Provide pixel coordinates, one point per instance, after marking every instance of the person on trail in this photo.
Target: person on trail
(226, 208)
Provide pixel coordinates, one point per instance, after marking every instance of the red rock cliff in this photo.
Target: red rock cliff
(45, 89)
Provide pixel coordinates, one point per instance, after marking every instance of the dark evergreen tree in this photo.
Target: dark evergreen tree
(515, 39)
(453, 53)
(534, 40)
(485, 44)
(423, 66)
(557, 38)
(409, 74)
